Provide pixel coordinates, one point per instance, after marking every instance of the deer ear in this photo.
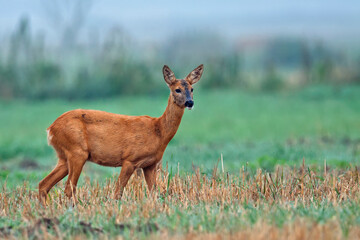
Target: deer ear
(169, 76)
(195, 75)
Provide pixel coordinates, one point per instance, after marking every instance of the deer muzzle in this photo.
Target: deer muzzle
(189, 104)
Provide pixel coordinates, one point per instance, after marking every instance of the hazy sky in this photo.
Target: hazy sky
(156, 20)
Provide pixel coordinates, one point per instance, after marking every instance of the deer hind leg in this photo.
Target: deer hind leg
(150, 176)
(75, 162)
(127, 170)
(58, 173)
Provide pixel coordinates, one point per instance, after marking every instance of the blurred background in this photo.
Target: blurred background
(280, 82)
(91, 49)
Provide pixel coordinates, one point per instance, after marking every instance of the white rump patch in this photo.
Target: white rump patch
(49, 137)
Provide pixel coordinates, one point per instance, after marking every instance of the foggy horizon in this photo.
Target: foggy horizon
(330, 21)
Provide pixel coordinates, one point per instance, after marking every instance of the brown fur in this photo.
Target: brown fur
(116, 140)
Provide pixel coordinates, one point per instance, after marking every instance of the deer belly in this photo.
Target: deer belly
(107, 159)
(140, 157)
(107, 153)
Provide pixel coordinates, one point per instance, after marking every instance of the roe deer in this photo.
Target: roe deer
(117, 140)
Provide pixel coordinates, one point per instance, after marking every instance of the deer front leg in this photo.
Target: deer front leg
(126, 171)
(150, 176)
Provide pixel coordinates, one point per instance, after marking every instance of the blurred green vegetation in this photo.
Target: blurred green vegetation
(250, 130)
(31, 68)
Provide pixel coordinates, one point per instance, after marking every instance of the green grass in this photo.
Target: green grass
(249, 129)
(211, 219)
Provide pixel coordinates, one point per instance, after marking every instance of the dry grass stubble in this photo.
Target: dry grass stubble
(261, 205)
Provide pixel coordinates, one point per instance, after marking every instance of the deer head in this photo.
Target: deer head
(182, 89)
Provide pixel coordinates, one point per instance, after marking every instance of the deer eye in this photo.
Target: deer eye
(178, 90)
(192, 90)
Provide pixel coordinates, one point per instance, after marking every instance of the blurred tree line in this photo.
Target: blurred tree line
(33, 69)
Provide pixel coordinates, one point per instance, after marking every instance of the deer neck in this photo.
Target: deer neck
(170, 120)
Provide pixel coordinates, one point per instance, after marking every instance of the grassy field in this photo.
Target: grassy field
(285, 204)
(274, 132)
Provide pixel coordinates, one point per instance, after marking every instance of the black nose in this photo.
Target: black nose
(189, 103)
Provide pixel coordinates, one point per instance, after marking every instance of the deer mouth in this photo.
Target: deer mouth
(190, 107)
